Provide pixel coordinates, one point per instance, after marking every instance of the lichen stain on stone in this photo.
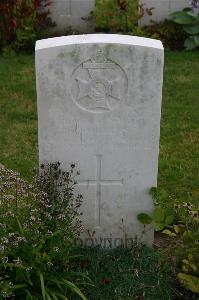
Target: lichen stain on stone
(61, 55)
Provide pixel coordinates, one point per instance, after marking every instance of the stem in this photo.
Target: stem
(16, 196)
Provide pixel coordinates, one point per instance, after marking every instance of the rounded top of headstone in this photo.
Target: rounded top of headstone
(98, 38)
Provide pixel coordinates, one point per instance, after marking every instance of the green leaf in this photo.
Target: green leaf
(188, 237)
(158, 227)
(74, 288)
(144, 218)
(182, 17)
(61, 296)
(196, 39)
(153, 192)
(189, 281)
(19, 286)
(169, 232)
(47, 296)
(185, 261)
(42, 286)
(192, 13)
(28, 295)
(185, 268)
(79, 274)
(194, 267)
(192, 29)
(177, 14)
(177, 228)
(20, 227)
(159, 215)
(54, 296)
(169, 220)
(190, 43)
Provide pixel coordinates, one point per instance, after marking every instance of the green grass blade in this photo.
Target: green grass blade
(28, 295)
(57, 282)
(19, 286)
(20, 227)
(79, 274)
(61, 296)
(42, 286)
(53, 295)
(74, 288)
(48, 297)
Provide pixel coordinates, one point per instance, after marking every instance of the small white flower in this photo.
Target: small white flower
(56, 249)
(11, 234)
(5, 240)
(17, 261)
(5, 259)
(49, 264)
(2, 248)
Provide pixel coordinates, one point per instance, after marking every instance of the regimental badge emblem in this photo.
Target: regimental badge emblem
(99, 84)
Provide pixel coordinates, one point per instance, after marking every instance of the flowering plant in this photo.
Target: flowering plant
(189, 18)
(38, 226)
(22, 22)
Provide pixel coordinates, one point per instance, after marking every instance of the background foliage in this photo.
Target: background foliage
(189, 20)
(116, 15)
(22, 22)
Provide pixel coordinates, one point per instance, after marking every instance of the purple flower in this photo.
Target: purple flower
(195, 6)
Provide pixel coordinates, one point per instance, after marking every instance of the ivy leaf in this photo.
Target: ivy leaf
(144, 218)
(159, 215)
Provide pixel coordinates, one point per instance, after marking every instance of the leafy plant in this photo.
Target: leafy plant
(185, 229)
(116, 15)
(189, 19)
(22, 22)
(160, 219)
(171, 34)
(39, 225)
(189, 281)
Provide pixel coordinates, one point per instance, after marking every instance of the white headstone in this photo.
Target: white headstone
(161, 9)
(99, 105)
(72, 14)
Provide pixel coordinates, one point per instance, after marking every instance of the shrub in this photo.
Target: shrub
(189, 20)
(181, 223)
(22, 22)
(171, 34)
(39, 224)
(116, 16)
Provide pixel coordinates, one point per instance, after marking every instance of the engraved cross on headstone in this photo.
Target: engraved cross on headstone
(98, 183)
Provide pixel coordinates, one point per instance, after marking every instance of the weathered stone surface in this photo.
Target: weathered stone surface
(99, 105)
(161, 9)
(73, 14)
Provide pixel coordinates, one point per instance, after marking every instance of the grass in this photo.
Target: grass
(139, 273)
(18, 118)
(179, 144)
